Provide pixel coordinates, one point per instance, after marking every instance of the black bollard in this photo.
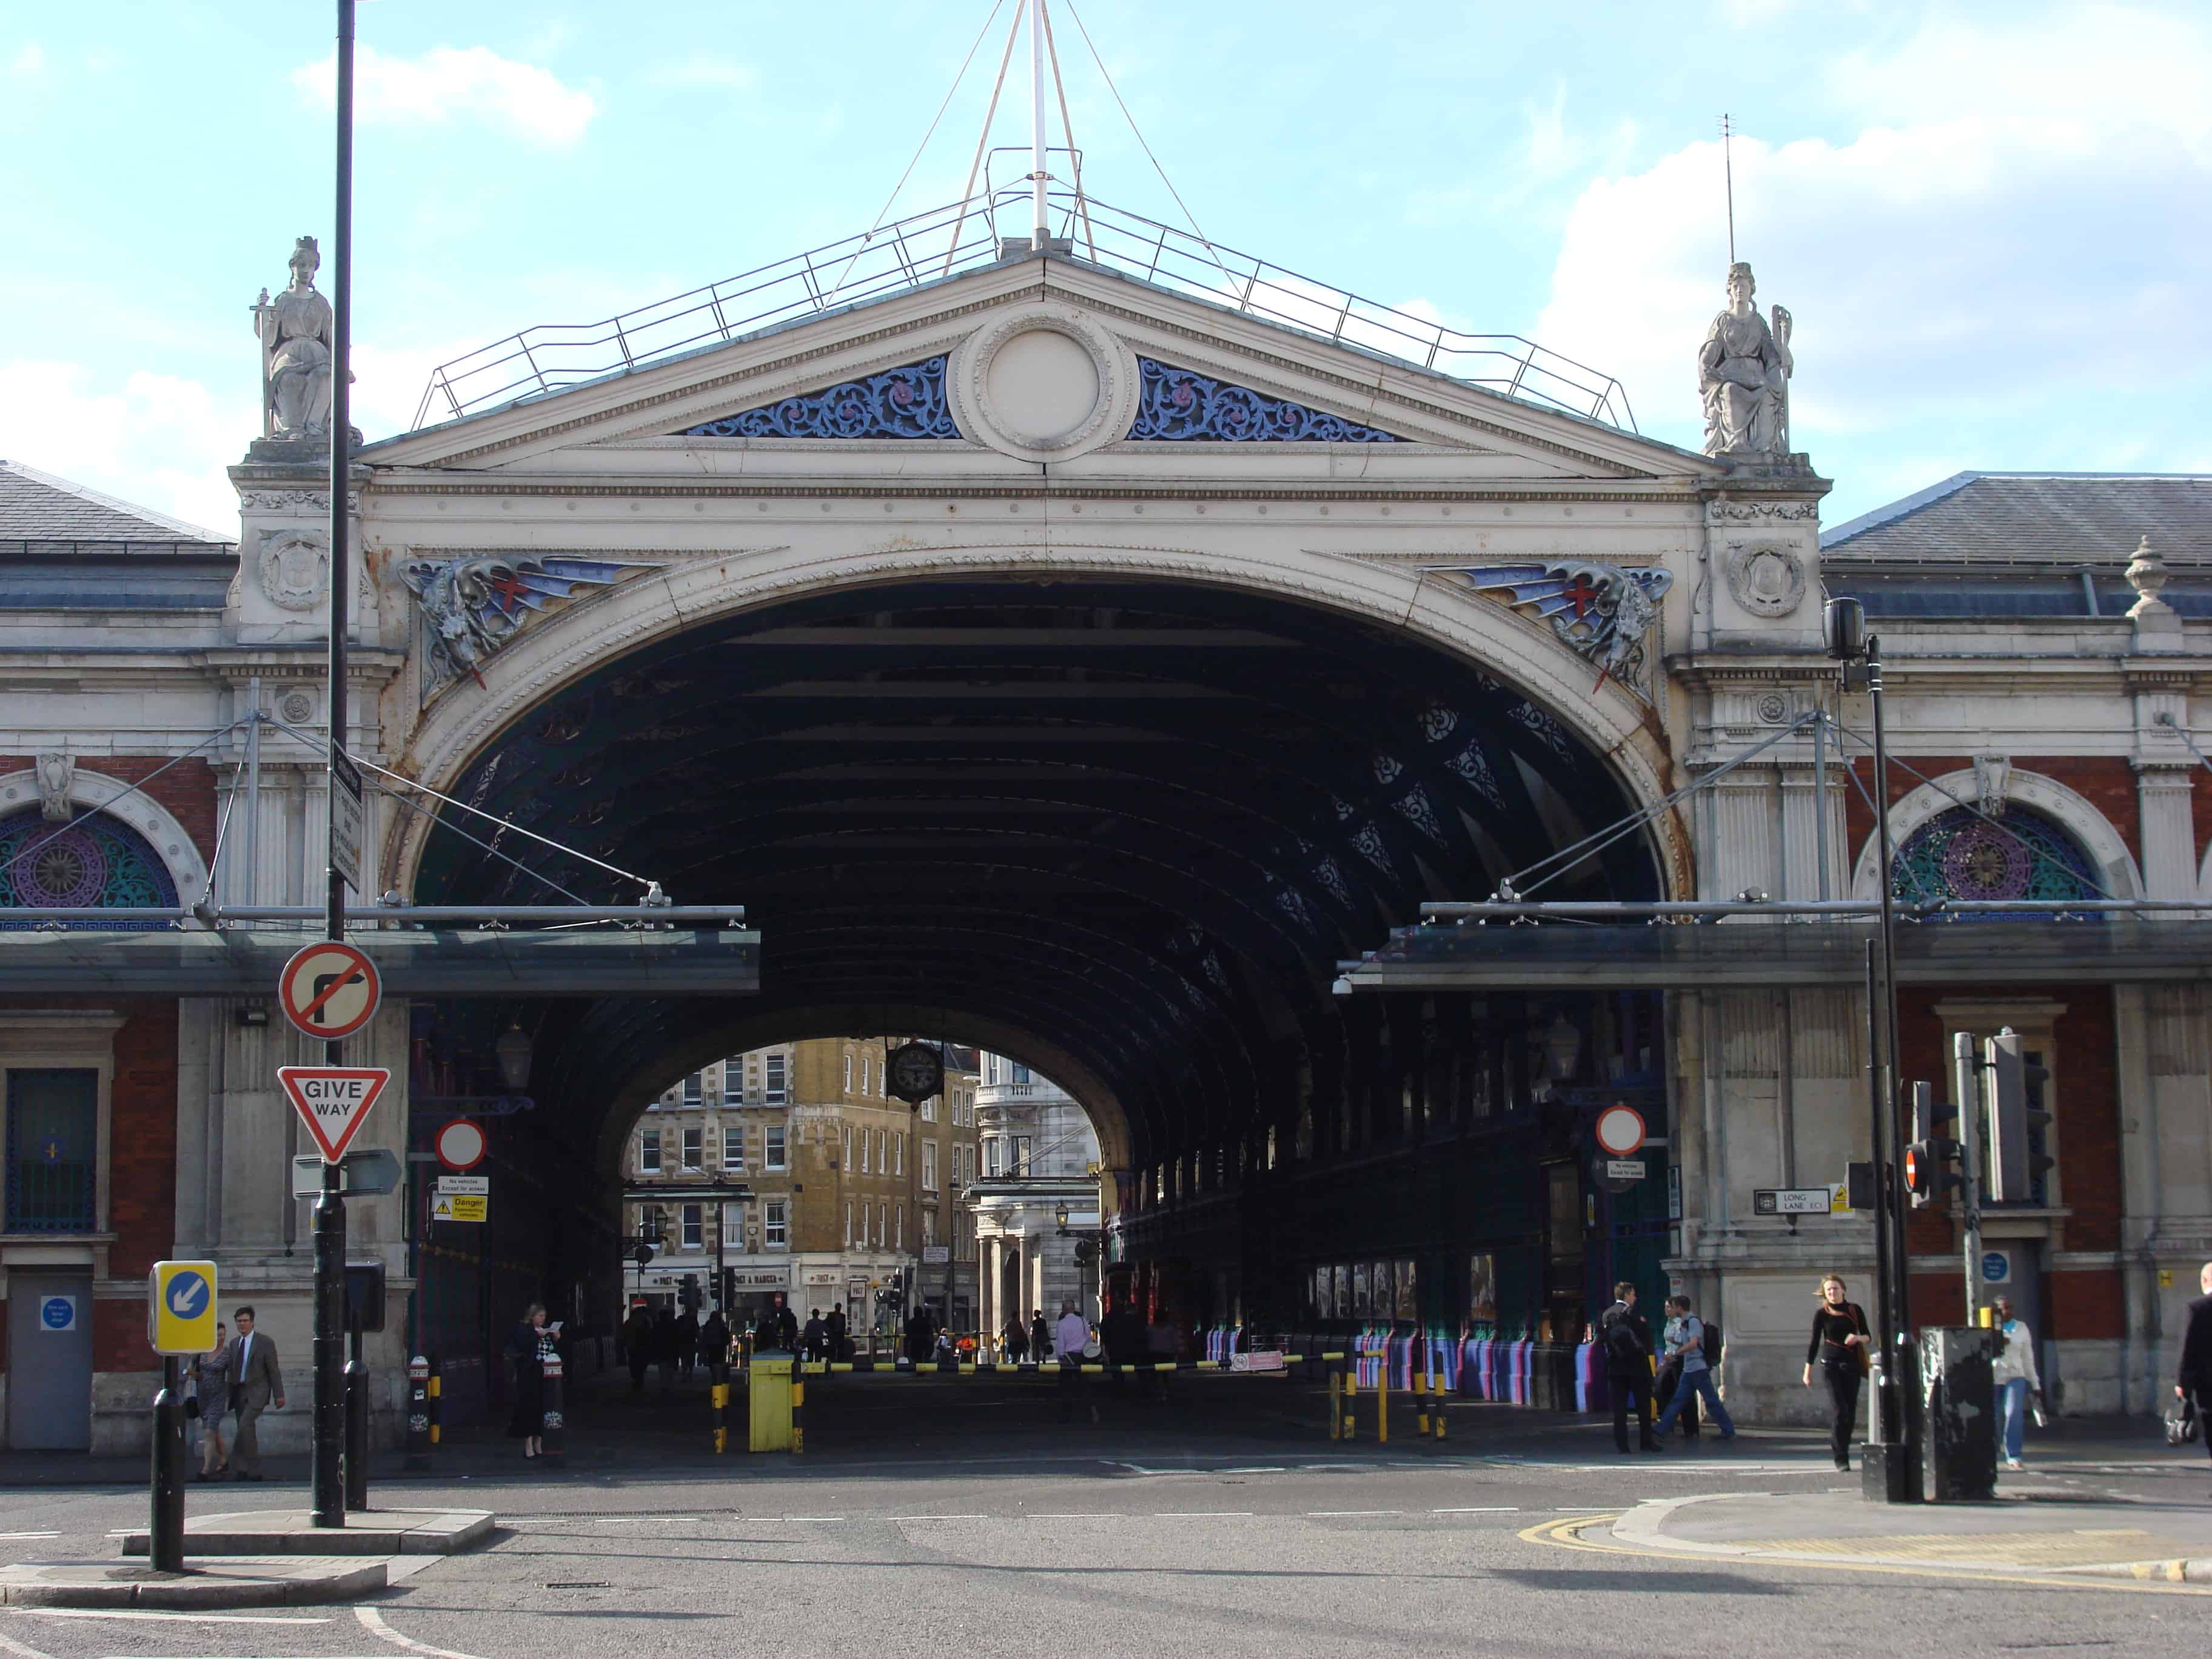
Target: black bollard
(418, 1413)
(165, 1543)
(356, 1427)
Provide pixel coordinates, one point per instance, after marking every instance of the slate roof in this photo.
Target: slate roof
(2063, 520)
(41, 514)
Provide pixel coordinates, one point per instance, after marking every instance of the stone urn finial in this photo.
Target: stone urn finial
(2145, 574)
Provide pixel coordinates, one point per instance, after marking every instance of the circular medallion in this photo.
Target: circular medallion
(63, 868)
(297, 706)
(295, 569)
(1042, 383)
(1766, 579)
(1985, 863)
(1773, 708)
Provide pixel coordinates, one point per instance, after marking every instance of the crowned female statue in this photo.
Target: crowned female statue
(296, 352)
(1743, 374)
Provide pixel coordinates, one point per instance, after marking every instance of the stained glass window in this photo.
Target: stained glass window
(2021, 855)
(92, 861)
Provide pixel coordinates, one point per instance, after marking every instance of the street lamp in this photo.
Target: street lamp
(1843, 624)
(513, 1053)
(1564, 1044)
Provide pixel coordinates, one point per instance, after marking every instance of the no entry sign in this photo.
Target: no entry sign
(329, 990)
(333, 1101)
(460, 1145)
(1620, 1130)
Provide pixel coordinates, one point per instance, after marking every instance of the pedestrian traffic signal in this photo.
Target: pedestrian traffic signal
(687, 1294)
(1932, 1160)
(2017, 1119)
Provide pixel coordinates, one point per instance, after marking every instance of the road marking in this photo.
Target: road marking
(187, 1618)
(811, 1517)
(29, 1534)
(1311, 1513)
(374, 1625)
(1075, 1515)
(1257, 1468)
(1487, 1509)
(939, 1518)
(1203, 1515)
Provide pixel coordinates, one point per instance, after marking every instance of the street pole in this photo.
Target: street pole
(1892, 1191)
(1966, 1083)
(327, 1477)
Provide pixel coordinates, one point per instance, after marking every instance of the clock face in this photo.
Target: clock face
(917, 1072)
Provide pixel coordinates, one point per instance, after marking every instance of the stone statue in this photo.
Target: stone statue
(1743, 374)
(297, 351)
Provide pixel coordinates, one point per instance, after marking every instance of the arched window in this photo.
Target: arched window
(93, 860)
(2021, 855)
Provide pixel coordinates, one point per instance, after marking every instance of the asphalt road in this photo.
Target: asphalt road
(949, 1517)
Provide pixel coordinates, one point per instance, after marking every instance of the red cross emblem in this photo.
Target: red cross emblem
(1584, 595)
(509, 589)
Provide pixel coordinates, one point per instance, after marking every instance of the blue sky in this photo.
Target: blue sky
(1989, 221)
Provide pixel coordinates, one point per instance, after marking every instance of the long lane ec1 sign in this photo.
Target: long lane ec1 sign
(333, 1101)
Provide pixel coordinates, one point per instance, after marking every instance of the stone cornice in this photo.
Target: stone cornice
(429, 483)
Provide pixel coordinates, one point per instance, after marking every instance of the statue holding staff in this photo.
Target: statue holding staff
(297, 351)
(1743, 375)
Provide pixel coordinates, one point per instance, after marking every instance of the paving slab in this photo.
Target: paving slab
(292, 1531)
(233, 1581)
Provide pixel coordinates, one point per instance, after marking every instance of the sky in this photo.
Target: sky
(1991, 223)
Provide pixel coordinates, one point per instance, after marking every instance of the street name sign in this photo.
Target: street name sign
(461, 1198)
(181, 1307)
(329, 990)
(1791, 1200)
(333, 1101)
(346, 819)
(361, 1174)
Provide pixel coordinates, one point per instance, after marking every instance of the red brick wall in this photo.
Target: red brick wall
(2087, 1304)
(187, 790)
(2106, 781)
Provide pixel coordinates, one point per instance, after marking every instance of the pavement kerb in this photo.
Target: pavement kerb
(1646, 1525)
(345, 1581)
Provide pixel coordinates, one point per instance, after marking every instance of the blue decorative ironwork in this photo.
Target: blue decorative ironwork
(1958, 855)
(899, 403)
(475, 605)
(1179, 405)
(1601, 611)
(95, 861)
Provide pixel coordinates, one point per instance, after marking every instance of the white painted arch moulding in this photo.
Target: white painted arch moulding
(96, 792)
(2070, 811)
(461, 724)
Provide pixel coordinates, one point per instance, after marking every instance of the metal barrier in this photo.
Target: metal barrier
(553, 1421)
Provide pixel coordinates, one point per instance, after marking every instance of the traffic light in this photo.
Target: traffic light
(687, 1294)
(640, 1253)
(726, 1290)
(2017, 1119)
(1932, 1160)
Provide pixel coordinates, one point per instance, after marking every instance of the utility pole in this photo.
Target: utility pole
(326, 1479)
(1037, 228)
(1966, 1086)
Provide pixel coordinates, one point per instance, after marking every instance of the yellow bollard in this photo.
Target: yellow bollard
(1420, 1405)
(1335, 1406)
(1383, 1407)
(719, 1395)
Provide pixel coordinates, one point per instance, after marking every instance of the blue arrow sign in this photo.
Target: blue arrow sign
(188, 1296)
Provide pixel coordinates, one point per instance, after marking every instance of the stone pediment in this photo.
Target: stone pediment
(1045, 361)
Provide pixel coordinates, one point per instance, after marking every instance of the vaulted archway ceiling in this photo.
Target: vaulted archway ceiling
(1142, 821)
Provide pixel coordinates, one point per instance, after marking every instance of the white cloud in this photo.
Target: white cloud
(28, 61)
(2011, 262)
(157, 439)
(708, 72)
(448, 82)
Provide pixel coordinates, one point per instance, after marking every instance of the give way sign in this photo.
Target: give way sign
(333, 1101)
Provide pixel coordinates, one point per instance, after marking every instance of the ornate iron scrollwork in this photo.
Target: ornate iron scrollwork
(1179, 405)
(899, 403)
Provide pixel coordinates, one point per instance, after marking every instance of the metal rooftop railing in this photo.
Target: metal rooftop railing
(926, 247)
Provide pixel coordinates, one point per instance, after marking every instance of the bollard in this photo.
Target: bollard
(1336, 1405)
(799, 1412)
(437, 1403)
(1420, 1405)
(719, 1396)
(1350, 1371)
(1437, 1416)
(1382, 1405)
(553, 1426)
(356, 1432)
(165, 1539)
(418, 1413)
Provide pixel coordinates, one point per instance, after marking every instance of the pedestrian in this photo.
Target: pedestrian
(257, 1382)
(764, 1328)
(834, 1328)
(816, 1335)
(2195, 1381)
(786, 1327)
(1669, 1376)
(637, 1345)
(1016, 1341)
(211, 1393)
(1070, 1337)
(714, 1347)
(917, 1335)
(1838, 1347)
(686, 1342)
(2014, 1372)
(1039, 1336)
(525, 1351)
(1627, 1342)
(1686, 1348)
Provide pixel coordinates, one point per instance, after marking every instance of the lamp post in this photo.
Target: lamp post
(1888, 1466)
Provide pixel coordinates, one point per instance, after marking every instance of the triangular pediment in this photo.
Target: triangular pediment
(992, 360)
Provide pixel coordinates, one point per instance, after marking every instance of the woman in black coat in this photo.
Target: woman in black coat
(527, 1348)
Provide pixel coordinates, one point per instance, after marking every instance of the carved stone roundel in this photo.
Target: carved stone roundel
(295, 569)
(1767, 581)
(1043, 384)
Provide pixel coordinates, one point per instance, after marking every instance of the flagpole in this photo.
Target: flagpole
(1038, 226)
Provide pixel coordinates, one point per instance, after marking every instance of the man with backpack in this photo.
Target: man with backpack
(1627, 1342)
(1695, 1345)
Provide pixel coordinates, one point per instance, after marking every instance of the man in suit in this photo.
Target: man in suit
(1628, 1341)
(256, 1382)
(2195, 1381)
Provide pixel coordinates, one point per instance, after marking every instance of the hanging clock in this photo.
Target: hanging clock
(916, 1071)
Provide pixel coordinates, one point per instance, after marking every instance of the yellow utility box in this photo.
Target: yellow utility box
(768, 1403)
